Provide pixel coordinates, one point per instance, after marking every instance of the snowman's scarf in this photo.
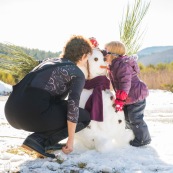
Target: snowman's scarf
(95, 104)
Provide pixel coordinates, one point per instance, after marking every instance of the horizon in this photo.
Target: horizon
(47, 25)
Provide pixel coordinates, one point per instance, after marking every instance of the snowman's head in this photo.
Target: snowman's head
(97, 65)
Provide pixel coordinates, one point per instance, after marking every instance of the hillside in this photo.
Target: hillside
(156, 55)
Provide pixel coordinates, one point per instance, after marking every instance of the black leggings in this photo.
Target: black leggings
(37, 111)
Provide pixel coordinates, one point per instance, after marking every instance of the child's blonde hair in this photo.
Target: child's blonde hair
(116, 47)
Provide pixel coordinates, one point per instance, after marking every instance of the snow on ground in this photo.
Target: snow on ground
(154, 158)
(5, 89)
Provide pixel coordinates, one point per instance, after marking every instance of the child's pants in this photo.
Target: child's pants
(134, 114)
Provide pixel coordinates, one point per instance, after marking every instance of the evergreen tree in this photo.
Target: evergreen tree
(16, 62)
(130, 31)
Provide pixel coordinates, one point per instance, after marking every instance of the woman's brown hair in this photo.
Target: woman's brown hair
(76, 47)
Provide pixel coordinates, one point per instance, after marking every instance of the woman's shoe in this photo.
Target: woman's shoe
(35, 142)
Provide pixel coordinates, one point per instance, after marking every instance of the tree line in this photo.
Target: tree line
(35, 53)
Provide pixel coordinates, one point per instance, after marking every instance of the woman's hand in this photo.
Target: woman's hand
(68, 148)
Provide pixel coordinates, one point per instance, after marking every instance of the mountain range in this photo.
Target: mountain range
(155, 55)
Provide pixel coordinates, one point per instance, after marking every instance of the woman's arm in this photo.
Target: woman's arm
(71, 132)
(77, 84)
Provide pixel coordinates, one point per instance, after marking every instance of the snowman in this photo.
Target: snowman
(107, 127)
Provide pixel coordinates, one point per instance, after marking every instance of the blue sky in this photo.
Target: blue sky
(48, 24)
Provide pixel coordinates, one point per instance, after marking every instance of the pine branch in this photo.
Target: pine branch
(130, 31)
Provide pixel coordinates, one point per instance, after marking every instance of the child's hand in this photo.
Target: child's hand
(119, 105)
(120, 100)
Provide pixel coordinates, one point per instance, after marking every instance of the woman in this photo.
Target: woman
(37, 103)
(130, 90)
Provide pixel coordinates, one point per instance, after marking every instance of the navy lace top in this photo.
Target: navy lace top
(60, 81)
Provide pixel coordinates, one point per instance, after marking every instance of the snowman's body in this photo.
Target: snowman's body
(111, 131)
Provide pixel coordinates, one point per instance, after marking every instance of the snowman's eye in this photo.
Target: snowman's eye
(95, 59)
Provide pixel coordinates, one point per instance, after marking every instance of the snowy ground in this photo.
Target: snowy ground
(154, 158)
